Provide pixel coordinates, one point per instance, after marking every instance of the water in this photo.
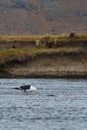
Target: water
(59, 104)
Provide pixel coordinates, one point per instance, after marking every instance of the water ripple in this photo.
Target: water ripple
(57, 105)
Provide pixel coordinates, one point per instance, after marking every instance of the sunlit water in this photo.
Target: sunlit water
(58, 104)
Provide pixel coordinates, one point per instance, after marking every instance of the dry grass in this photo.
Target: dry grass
(23, 52)
(6, 55)
(39, 37)
(19, 38)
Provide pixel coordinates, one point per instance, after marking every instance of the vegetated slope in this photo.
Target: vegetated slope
(66, 58)
(25, 17)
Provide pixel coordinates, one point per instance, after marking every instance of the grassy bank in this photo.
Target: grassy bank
(71, 36)
(46, 44)
(49, 58)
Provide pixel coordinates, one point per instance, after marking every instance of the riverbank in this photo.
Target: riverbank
(44, 57)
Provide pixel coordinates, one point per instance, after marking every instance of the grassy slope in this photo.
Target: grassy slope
(38, 37)
(19, 52)
(16, 60)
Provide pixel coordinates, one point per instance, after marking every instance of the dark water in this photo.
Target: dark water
(59, 104)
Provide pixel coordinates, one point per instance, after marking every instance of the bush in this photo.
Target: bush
(72, 35)
(47, 41)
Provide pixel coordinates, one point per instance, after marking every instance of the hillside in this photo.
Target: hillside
(23, 17)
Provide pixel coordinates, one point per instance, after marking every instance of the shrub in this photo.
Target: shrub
(72, 35)
(47, 41)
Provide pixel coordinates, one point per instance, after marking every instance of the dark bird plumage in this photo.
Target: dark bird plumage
(25, 87)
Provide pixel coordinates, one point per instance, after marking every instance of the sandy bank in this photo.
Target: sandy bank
(71, 64)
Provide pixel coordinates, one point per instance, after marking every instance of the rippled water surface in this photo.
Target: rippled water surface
(59, 104)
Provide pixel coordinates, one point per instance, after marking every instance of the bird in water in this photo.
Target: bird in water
(26, 87)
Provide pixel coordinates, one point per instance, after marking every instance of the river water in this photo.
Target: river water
(58, 104)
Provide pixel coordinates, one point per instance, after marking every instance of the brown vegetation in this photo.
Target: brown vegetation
(49, 56)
